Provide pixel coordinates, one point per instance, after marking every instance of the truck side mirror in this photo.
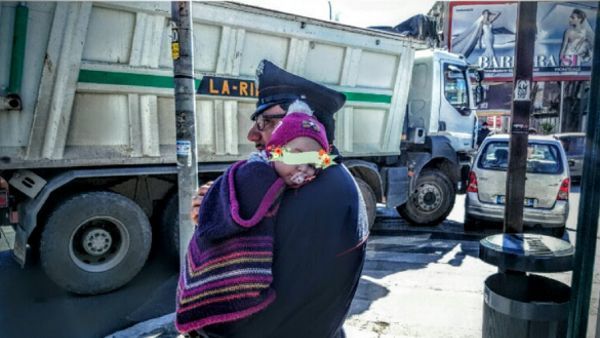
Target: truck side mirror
(479, 75)
(478, 94)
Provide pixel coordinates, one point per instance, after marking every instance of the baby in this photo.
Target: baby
(228, 273)
(298, 146)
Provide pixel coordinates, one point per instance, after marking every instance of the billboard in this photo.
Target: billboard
(484, 32)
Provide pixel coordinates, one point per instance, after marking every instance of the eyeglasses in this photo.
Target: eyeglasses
(261, 121)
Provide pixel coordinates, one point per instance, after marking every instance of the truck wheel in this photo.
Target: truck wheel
(95, 242)
(432, 200)
(169, 228)
(370, 200)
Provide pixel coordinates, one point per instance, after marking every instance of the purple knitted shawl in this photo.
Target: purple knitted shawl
(227, 275)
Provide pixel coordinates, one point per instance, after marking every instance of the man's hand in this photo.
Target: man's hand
(197, 201)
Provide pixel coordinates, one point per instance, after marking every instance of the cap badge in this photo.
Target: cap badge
(308, 124)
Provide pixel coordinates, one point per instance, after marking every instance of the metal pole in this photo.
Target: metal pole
(561, 108)
(521, 109)
(185, 119)
(589, 200)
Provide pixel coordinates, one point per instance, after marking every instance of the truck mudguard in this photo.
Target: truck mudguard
(438, 147)
(397, 184)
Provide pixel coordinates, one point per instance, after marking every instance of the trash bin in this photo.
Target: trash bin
(518, 304)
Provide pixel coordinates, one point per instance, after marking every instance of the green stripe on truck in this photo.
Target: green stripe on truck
(159, 81)
(364, 97)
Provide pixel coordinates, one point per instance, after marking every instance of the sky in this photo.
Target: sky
(361, 13)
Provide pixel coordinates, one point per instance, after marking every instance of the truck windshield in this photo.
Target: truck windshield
(456, 89)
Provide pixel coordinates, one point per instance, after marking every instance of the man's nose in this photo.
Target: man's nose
(254, 135)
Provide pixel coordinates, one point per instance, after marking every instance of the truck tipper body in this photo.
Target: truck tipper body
(87, 121)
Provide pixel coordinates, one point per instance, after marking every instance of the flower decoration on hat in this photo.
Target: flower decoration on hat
(326, 159)
(320, 159)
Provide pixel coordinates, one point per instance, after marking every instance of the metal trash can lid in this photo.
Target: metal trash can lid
(527, 252)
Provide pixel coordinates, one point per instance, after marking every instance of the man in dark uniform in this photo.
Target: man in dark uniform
(482, 133)
(320, 232)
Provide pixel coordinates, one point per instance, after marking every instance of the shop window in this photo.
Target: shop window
(497, 97)
(546, 102)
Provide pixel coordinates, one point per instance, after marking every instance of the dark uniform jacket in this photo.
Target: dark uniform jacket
(318, 257)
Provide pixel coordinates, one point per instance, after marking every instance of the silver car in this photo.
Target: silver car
(574, 144)
(546, 188)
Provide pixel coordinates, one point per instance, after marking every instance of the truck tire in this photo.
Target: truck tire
(370, 200)
(95, 242)
(432, 200)
(169, 228)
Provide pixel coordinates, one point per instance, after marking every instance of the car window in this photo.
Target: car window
(574, 145)
(494, 156)
(541, 158)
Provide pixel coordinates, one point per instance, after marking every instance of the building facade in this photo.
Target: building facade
(484, 32)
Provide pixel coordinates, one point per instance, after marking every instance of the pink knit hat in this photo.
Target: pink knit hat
(296, 125)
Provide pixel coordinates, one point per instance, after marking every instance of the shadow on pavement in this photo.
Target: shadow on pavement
(35, 307)
(395, 246)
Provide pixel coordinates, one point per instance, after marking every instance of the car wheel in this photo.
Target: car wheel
(431, 201)
(95, 242)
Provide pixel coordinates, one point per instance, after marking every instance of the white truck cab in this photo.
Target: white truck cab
(440, 100)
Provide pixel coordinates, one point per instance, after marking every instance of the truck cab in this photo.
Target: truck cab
(440, 136)
(440, 101)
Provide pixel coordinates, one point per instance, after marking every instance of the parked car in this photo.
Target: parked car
(574, 145)
(546, 205)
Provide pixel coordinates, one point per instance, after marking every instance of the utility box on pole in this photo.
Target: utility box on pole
(185, 119)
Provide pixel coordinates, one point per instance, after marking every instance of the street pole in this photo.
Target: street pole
(185, 119)
(589, 200)
(521, 109)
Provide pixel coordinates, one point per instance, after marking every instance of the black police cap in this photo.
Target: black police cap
(276, 86)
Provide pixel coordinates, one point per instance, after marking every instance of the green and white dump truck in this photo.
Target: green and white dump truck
(87, 131)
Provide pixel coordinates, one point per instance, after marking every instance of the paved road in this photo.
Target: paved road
(419, 285)
(428, 282)
(33, 306)
(400, 254)
(417, 282)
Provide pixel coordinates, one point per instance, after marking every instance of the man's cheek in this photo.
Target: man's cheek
(268, 132)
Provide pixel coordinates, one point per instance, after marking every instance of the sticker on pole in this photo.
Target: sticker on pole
(184, 148)
(522, 90)
(175, 47)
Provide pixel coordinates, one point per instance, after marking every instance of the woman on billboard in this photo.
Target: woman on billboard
(577, 42)
(480, 34)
